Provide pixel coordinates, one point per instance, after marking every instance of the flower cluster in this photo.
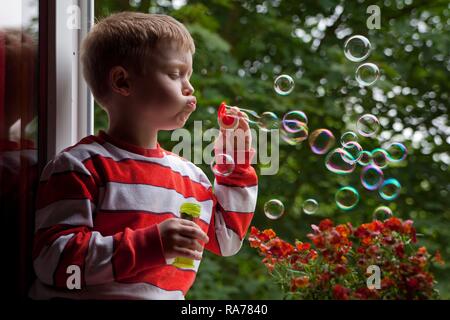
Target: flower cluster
(341, 262)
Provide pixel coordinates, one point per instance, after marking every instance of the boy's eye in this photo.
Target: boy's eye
(175, 75)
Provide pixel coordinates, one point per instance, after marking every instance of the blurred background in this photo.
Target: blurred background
(242, 46)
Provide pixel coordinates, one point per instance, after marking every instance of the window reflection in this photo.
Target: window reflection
(18, 138)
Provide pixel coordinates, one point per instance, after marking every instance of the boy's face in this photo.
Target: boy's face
(163, 96)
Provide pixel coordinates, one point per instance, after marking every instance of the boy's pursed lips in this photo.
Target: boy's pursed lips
(192, 103)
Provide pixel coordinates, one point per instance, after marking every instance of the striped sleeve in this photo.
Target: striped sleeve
(65, 236)
(235, 196)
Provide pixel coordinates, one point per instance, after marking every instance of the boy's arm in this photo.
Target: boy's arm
(66, 198)
(235, 197)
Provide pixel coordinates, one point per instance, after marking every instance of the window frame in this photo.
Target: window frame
(67, 105)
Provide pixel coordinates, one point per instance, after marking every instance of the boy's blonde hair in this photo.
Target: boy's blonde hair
(126, 39)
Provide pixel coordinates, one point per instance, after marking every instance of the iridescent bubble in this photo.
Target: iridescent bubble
(321, 141)
(366, 158)
(294, 138)
(368, 125)
(357, 48)
(371, 177)
(335, 162)
(268, 121)
(222, 165)
(396, 152)
(294, 120)
(348, 136)
(274, 209)
(380, 158)
(367, 74)
(382, 213)
(310, 206)
(283, 84)
(390, 189)
(347, 198)
(353, 149)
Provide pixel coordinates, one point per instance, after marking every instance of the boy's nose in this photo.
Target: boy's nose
(188, 90)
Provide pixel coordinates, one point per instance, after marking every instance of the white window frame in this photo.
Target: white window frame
(70, 109)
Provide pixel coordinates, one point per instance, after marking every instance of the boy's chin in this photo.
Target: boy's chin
(179, 122)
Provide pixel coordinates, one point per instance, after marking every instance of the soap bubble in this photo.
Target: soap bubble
(353, 149)
(268, 121)
(310, 206)
(335, 162)
(294, 120)
(348, 136)
(390, 189)
(283, 84)
(396, 152)
(294, 138)
(347, 198)
(367, 74)
(371, 177)
(382, 213)
(357, 48)
(368, 125)
(222, 165)
(380, 158)
(274, 209)
(321, 141)
(365, 159)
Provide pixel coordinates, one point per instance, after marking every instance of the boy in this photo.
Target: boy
(108, 207)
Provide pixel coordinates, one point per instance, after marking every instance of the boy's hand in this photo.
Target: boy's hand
(241, 134)
(180, 238)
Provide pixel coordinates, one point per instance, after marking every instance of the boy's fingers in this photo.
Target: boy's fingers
(194, 232)
(187, 253)
(189, 243)
(234, 110)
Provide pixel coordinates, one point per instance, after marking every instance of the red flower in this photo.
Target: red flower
(375, 226)
(340, 292)
(412, 283)
(340, 269)
(393, 224)
(365, 293)
(438, 258)
(344, 230)
(299, 282)
(279, 248)
(325, 224)
(325, 277)
(317, 239)
(302, 246)
(399, 250)
(387, 283)
(409, 229)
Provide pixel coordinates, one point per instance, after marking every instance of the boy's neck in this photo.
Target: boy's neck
(143, 137)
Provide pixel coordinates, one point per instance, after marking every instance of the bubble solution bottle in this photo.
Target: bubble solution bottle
(188, 211)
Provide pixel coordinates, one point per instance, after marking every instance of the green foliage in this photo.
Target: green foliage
(243, 45)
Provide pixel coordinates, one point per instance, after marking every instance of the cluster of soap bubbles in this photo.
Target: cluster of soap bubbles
(344, 160)
(356, 49)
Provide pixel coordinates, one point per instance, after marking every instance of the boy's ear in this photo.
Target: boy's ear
(120, 81)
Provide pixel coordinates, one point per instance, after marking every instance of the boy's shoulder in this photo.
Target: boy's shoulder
(82, 150)
(186, 166)
(72, 158)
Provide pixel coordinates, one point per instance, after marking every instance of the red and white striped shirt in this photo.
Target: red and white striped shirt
(98, 206)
